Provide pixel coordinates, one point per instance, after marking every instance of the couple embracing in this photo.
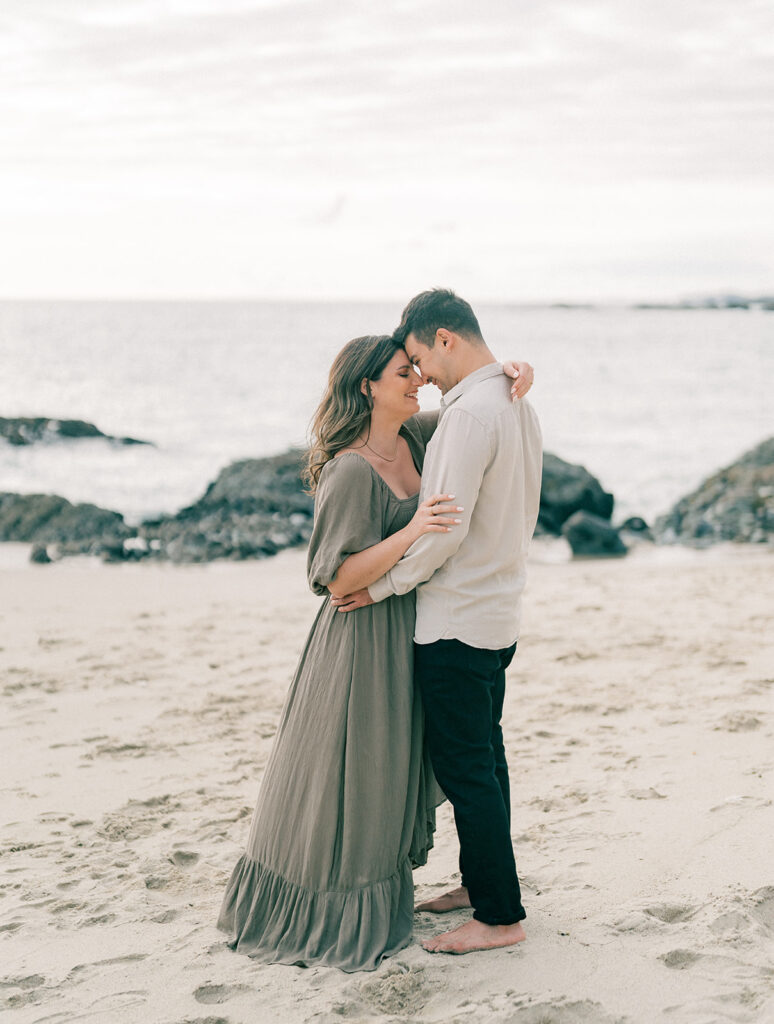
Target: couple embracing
(397, 698)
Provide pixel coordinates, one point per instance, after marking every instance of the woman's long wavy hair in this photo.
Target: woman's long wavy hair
(345, 410)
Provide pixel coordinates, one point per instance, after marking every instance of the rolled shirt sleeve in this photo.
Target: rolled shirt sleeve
(456, 460)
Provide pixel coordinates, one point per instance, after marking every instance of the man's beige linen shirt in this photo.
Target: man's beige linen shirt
(487, 451)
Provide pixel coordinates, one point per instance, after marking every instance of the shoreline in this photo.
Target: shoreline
(544, 550)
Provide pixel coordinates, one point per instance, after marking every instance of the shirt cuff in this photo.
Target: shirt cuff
(381, 589)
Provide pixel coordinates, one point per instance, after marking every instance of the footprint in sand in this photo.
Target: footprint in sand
(212, 994)
(137, 818)
(30, 981)
(99, 919)
(65, 906)
(26, 987)
(644, 918)
(183, 858)
(204, 1020)
(763, 906)
(51, 641)
(680, 959)
(80, 972)
(164, 917)
(759, 686)
(123, 750)
(671, 913)
(583, 1012)
(400, 989)
(738, 721)
(756, 908)
(52, 816)
(156, 882)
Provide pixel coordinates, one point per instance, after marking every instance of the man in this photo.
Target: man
(487, 452)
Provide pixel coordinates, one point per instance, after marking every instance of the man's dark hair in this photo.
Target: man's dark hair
(430, 310)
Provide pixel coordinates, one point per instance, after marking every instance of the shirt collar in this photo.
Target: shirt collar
(482, 373)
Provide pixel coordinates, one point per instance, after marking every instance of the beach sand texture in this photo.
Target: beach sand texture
(139, 708)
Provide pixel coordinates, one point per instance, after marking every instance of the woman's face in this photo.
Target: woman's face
(395, 393)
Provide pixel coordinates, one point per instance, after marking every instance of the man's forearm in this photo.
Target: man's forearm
(423, 558)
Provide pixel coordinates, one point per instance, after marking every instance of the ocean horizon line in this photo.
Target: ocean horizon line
(722, 300)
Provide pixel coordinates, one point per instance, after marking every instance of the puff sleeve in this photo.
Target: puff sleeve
(347, 517)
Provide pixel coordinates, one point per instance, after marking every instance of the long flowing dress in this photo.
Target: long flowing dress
(347, 803)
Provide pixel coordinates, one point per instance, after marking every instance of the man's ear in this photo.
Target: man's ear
(444, 337)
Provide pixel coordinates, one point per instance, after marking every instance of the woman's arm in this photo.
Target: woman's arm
(523, 375)
(367, 566)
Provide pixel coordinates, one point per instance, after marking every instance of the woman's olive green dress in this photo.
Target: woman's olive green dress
(347, 803)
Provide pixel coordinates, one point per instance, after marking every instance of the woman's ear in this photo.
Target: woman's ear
(365, 387)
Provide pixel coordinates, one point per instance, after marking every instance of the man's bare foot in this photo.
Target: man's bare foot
(474, 935)
(452, 900)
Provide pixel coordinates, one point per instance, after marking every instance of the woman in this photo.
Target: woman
(347, 805)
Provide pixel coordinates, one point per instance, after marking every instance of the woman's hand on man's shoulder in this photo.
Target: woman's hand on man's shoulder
(523, 377)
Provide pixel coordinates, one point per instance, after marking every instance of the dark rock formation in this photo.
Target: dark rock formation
(256, 485)
(44, 519)
(714, 302)
(39, 555)
(22, 430)
(254, 508)
(735, 504)
(635, 530)
(566, 489)
(635, 524)
(592, 536)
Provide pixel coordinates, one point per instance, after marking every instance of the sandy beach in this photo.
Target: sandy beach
(139, 706)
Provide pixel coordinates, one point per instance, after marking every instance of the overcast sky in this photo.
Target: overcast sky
(516, 150)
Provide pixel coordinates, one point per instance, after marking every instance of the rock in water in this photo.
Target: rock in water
(23, 430)
(39, 555)
(635, 530)
(592, 536)
(566, 489)
(735, 504)
(635, 524)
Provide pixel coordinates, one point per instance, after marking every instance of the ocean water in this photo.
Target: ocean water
(650, 401)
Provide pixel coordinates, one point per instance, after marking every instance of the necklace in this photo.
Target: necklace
(368, 446)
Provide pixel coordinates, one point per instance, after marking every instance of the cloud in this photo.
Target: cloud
(591, 82)
(120, 108)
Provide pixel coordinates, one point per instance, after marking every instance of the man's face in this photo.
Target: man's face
(433, 363)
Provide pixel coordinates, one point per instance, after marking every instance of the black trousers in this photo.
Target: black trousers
(462, 691)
